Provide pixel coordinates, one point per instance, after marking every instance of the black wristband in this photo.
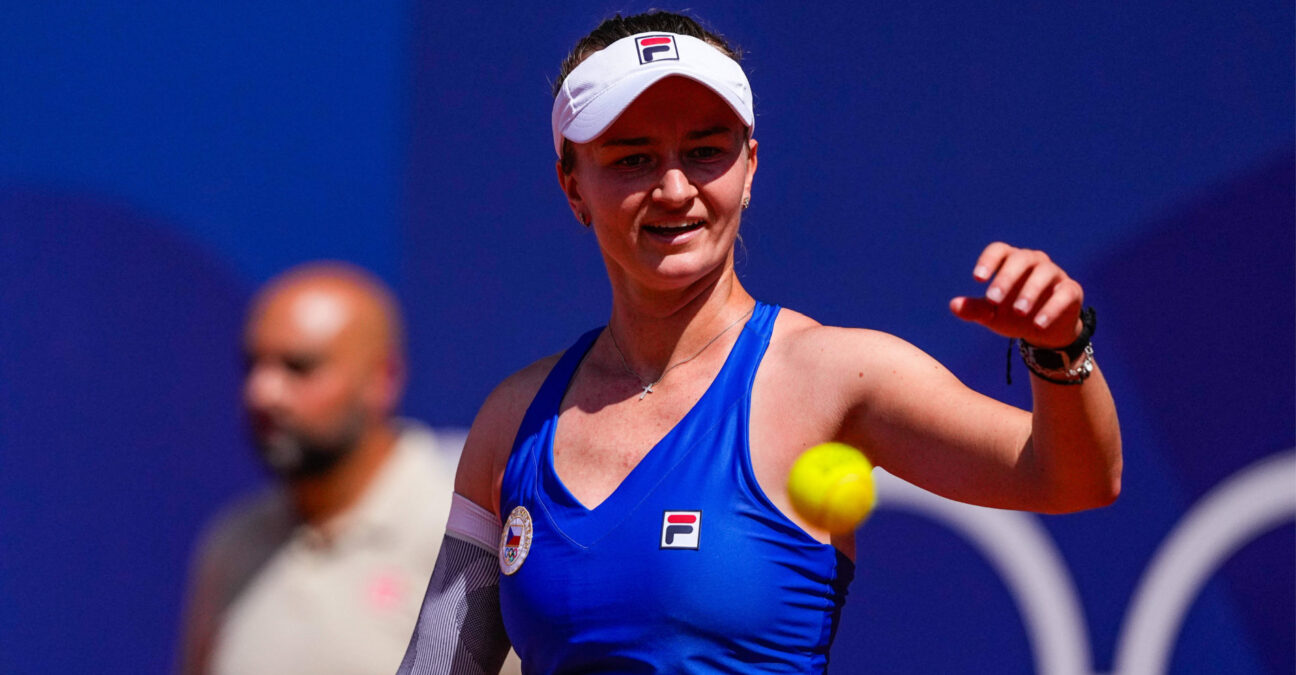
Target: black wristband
(1071, 364)
(1052, 359)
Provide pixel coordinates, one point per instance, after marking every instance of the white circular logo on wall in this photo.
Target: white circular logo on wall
(515, 540)
(1240, 508)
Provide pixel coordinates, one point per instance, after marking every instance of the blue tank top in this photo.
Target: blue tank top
(686, 567)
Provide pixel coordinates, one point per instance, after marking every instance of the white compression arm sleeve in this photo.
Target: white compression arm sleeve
(460, 630)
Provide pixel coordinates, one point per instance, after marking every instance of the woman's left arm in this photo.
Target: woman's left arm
(914, 418)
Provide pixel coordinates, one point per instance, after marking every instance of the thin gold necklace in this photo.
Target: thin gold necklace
(648, 388)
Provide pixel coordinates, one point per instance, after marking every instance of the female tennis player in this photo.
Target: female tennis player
(622, 506)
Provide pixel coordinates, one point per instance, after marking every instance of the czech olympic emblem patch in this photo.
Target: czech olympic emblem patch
(656, 48)
(681, 529)
(515, 541)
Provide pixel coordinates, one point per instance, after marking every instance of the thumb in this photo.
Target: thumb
(975, 310)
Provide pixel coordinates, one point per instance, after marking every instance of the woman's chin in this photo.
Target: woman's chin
(684, 270)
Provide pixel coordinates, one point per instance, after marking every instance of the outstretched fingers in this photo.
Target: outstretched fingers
(1065, 300)
(1027, 296)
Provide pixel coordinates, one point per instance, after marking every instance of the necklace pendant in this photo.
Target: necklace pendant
(646, 390)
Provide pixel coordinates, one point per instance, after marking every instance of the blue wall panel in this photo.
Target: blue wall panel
(158, 161)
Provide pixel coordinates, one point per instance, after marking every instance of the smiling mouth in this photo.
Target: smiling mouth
(671, 230)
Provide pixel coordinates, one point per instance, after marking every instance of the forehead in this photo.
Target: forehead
(673, 104)
(306, 319)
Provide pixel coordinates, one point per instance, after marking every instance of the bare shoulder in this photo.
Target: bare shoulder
(490, 440)
(835, 376)
(810, 347)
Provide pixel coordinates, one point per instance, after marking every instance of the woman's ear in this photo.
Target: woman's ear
(567, 181)
(751, 167)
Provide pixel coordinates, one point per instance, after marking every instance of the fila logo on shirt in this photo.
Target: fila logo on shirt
(681, 529)
(656, 48)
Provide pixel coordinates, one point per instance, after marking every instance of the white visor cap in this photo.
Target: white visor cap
(597, 91)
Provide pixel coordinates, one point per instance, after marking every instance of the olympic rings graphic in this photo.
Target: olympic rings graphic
(1244, 506)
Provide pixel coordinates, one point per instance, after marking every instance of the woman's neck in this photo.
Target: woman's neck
(657, 328)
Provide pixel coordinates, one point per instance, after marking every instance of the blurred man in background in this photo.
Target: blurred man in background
(324, 572)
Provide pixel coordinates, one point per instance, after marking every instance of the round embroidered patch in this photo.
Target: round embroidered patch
(515, 541)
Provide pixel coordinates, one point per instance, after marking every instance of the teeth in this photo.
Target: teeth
(684, 226)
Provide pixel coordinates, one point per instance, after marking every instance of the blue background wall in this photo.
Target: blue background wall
(158, 161)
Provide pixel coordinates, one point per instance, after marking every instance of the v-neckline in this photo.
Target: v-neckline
(583, 524)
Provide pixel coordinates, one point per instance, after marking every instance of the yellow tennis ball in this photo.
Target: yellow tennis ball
(831, 486)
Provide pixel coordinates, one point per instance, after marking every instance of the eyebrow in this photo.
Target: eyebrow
(710, 131)
(617, 142)
(644, 140)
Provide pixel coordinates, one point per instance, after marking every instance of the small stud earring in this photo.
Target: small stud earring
(746, 202)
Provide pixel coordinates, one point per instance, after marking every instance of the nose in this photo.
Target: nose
(675, 189)
(264, 388)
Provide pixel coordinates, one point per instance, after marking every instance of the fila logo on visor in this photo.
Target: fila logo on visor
(656, 48)
(681, 529)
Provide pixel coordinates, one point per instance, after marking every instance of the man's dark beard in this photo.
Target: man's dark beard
(293, 455)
